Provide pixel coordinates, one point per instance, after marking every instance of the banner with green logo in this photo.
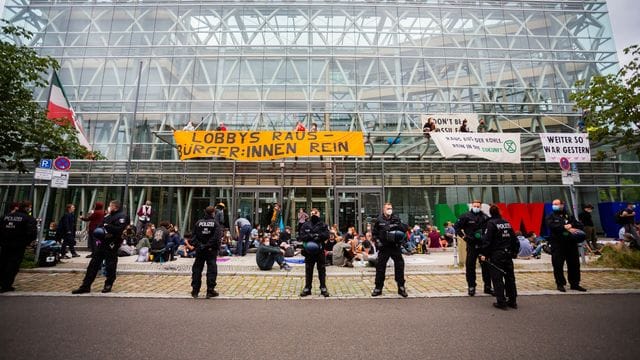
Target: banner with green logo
(499, 147)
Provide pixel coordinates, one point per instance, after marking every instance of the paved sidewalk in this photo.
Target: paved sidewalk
(288, 286)
(430, 275)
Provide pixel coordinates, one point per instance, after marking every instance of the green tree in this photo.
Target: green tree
(611, 105)
(25, 132)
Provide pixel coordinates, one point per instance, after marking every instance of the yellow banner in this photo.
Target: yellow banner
(267, 145)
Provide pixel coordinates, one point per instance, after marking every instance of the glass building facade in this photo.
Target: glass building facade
(369, 66)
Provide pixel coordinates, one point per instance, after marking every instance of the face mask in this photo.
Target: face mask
(475, 210)
(556, 207)
(389, 212)
(315, 218)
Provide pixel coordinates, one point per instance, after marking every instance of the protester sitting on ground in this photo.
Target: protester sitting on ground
(174, 241)
(159, 242)
(443, 242)
(536, 244)
(129, 235)
(356, 246)
(416, 240)
(285, 236)
(255, 236)
(226, 248)
(526, 251)
(126, 249)
(267, 254)
(449, 232)
(342, 255)
(50, 234)
(434, 238)
(328, 247)
(369, 250)
(185, 249)
(143, 245)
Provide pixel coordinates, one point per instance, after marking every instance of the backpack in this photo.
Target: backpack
(619, 218)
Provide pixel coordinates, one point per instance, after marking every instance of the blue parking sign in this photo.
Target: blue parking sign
(45, 164)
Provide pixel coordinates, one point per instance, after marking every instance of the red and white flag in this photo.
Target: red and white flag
(60, 110)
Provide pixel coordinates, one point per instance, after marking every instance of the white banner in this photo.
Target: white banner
(573, 146)
(451, 122)
(499, 147)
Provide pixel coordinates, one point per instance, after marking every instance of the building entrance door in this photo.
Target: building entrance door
(256, 205)
(357, 208)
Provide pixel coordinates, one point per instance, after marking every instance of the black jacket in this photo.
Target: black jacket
(470, 226)
(383, 226)
(316, 232)
(556, 222)
(114, 225)
(66, 227)
(499, 236)
(18, 230)
(207, 234)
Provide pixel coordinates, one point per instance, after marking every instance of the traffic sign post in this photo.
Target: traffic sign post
(568, 178)
(62, 163)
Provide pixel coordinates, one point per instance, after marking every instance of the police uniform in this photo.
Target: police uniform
(207, 234)
(314, 230)
(470, 226)
(564, 248)
(387, 231)
(500, 245)
(107, 251)
(18, 230)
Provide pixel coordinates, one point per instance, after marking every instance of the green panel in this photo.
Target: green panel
(460, 209)
(443, 213)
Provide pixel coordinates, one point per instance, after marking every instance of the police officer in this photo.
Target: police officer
(106, 249)
(313, 234)
(207, 234)
(18, 230)
(563, 246)
(470, 226)
(389, 233)
(499, 246)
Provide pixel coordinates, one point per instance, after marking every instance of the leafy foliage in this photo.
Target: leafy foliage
(611, 105)
(25, 131)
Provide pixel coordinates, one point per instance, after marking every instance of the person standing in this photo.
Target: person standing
(17, 230)
(144, 217)
(67, 232)
(589, 228)
(313, 234)
(206, 237)
(563, 247)
(499, 246)
(243, 229)
(302, 218)
(470, 226)
(106, 250)
(219, 215)
(274, 221)
(95, 218)
(389, 233)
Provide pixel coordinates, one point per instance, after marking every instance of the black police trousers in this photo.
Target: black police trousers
(504, 284)
(569, 253)
(384, 254)
(470, 268)
(320, 261)
(202, 257)
(110, 257)
(10, 259)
